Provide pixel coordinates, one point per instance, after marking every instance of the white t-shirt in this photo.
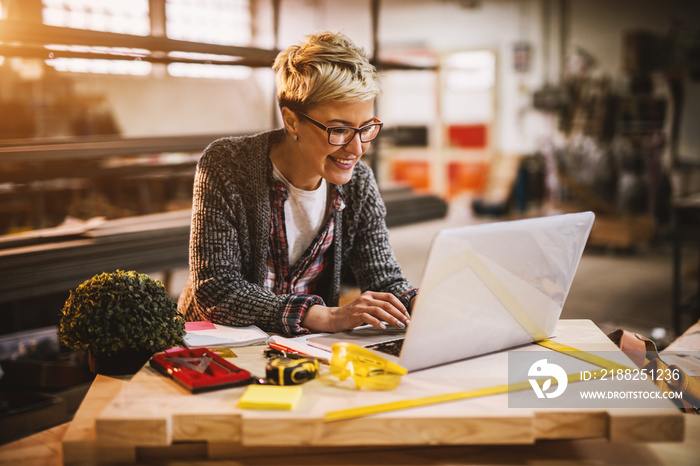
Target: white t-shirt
(304, 215)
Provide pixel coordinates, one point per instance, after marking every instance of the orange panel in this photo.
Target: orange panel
(467, 176)
(414, 173)
(468, 136)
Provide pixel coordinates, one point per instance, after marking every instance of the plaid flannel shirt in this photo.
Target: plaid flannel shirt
(299, 280)
(296, 280)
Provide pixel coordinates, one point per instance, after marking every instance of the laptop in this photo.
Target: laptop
(485, 288)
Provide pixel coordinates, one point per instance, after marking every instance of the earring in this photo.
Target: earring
(296, 138)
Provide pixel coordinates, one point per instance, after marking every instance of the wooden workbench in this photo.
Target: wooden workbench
(151, 417)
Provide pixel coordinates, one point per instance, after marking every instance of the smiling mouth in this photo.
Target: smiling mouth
(343, 162)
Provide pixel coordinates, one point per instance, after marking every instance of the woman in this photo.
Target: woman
(278, 217)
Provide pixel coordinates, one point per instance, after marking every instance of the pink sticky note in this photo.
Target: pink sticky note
(201, 325)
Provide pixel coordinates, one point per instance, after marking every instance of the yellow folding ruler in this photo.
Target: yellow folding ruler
(472, 260)
(604, 364)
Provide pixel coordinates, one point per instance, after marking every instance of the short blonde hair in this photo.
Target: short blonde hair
(325, 67)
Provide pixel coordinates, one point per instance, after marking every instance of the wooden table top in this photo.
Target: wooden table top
(78, 442)
(151, 417)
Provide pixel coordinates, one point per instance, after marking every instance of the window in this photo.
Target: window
(124, 17)
(223, 22)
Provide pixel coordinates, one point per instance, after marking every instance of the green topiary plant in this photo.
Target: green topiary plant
(118, 312)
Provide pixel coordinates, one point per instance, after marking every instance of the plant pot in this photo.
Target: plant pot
(123, 363)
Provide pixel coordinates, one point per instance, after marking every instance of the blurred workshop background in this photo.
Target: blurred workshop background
(493, 110)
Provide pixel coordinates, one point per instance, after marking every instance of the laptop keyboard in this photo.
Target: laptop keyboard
(389, 347)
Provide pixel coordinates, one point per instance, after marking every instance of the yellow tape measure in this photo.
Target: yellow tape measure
(362, 411)
(291, 371)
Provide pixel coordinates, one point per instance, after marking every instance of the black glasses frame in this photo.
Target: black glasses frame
(329, 129)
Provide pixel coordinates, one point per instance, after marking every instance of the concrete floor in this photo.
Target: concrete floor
(631, 290)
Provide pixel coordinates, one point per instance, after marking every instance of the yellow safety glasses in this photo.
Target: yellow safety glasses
(367, 368)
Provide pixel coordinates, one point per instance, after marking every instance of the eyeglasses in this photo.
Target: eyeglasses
(341, 135)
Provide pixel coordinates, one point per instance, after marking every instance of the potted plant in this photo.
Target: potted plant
(121, 319)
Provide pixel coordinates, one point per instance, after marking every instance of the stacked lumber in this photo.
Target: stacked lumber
(35, 264)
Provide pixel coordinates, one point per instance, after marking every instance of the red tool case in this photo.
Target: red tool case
(199, 369)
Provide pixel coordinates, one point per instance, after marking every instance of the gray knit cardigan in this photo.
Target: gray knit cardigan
(231, 231)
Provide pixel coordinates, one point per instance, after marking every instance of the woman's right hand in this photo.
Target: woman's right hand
(371, 307)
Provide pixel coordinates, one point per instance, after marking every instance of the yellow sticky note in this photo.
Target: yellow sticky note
(270, 397)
